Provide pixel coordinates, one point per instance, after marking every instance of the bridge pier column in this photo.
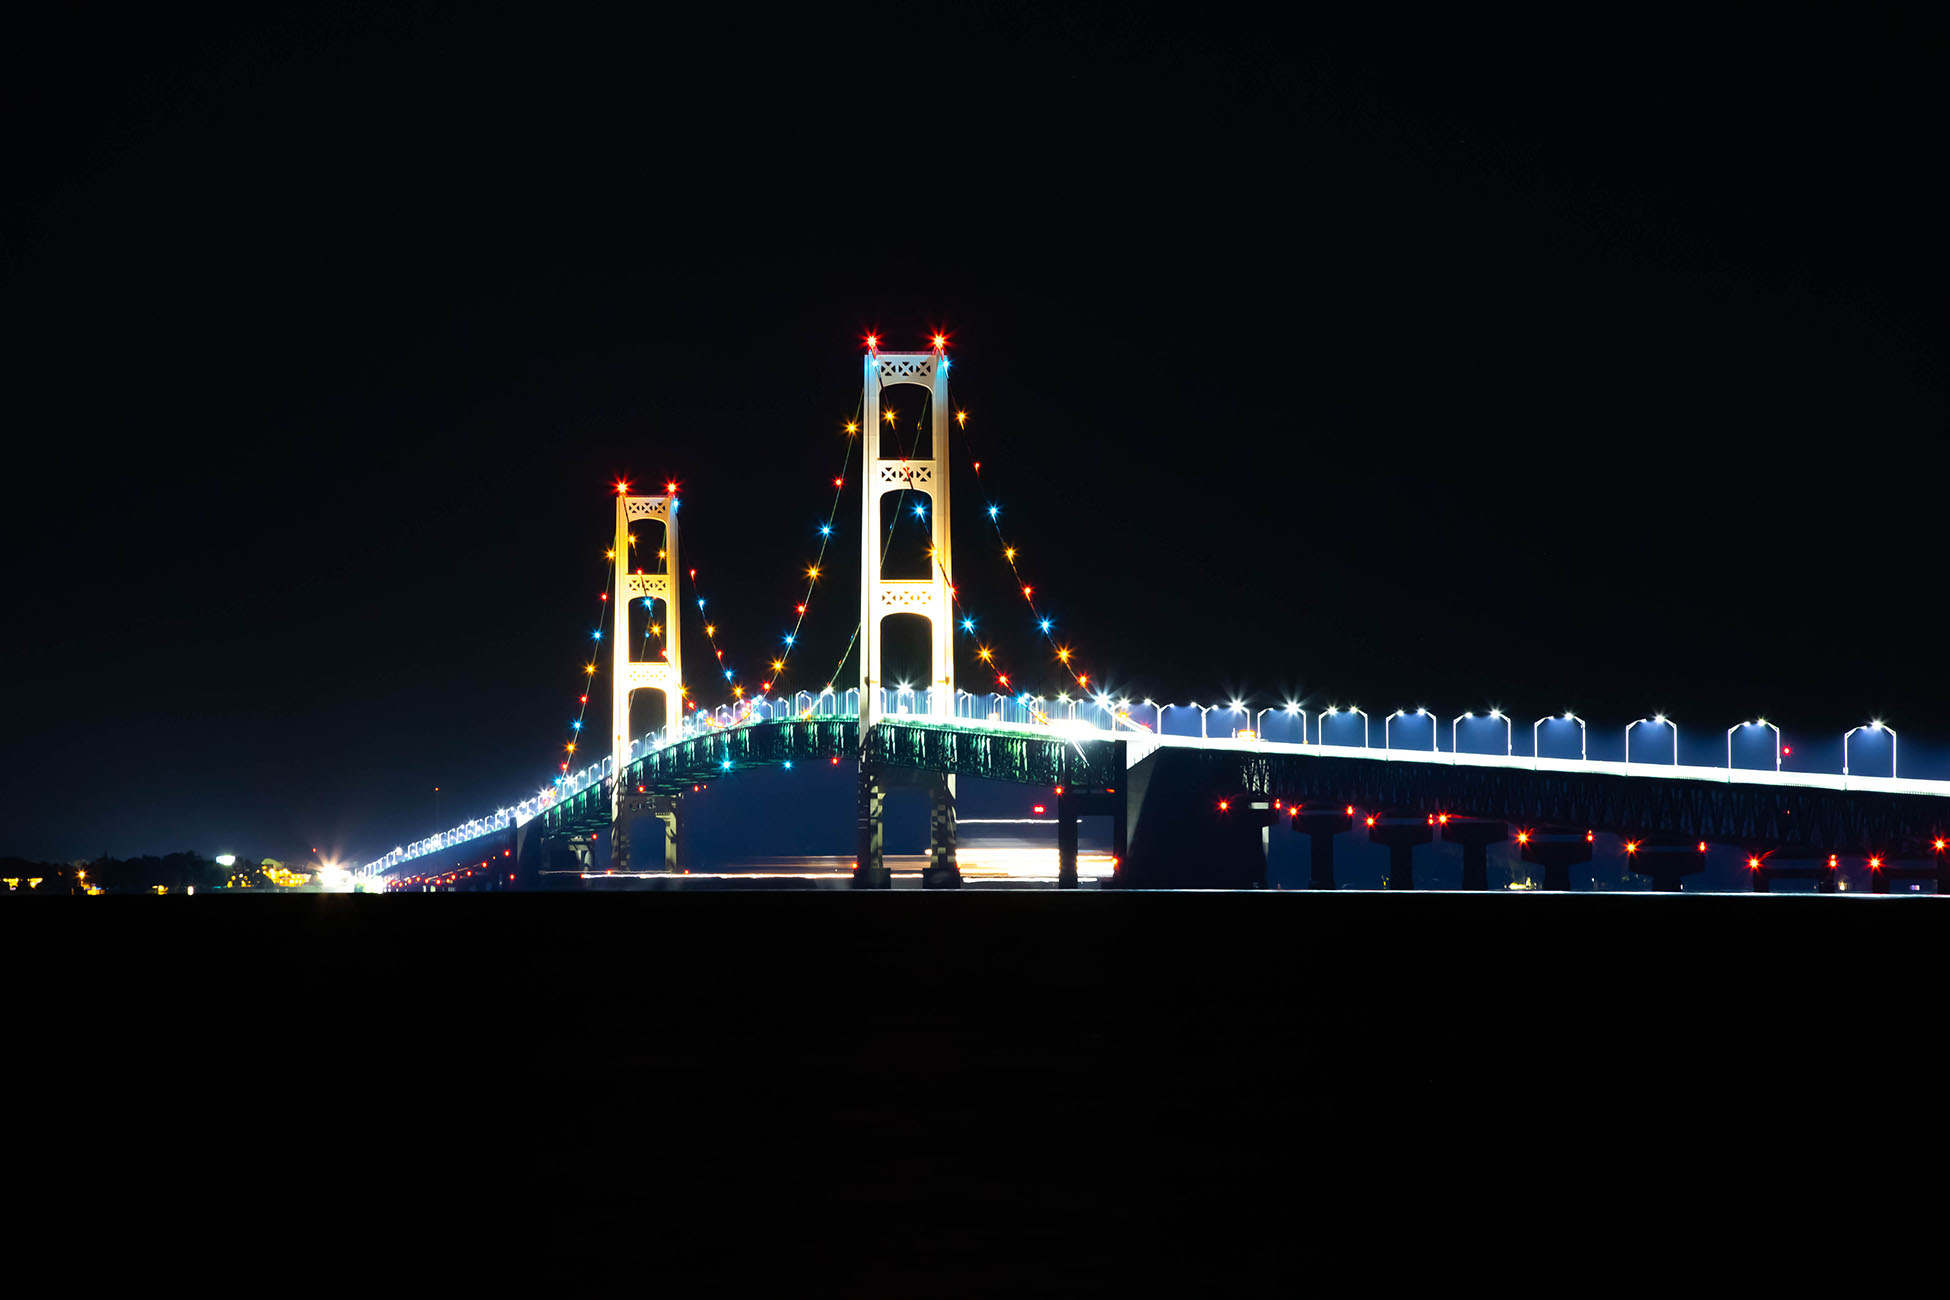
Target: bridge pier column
(1475, 834)
(869, 866)
(1066, 841)
(942, 871)
(1321, 825)
(1666, 861)
(1556, 849)
(1401, 832)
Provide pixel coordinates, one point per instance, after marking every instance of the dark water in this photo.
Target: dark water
(984, 1092)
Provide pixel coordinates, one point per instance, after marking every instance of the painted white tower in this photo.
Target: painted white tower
(924, 478)
(666, 674)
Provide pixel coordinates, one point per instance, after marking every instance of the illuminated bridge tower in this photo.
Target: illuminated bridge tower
(628, 674)
(924, 478)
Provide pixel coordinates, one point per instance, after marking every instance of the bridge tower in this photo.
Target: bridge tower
(628, 674)
(928, 597)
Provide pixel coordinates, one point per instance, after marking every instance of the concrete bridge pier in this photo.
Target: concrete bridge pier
(1555, 849)
(1322, 823)
(869, 865)
(1666, 860)
(667, 810)
(1475, 834)
(1401, 832)
(870, 869)
(1072, 804)
(942, 871)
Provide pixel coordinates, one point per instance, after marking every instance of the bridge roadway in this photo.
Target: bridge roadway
(1120, 774)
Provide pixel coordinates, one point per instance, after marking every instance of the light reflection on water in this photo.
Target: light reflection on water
(979, 865)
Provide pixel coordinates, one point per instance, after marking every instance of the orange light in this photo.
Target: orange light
(1589, 838)
(1754, 863)
(1523, 837)
(622, 486)
(940, 341)
(1702, 846)
(1059, 789)
(1631, 846)
(1939, 846)
(1371, 821)
(1350, 810)
(1224, 805)
(1875, 864)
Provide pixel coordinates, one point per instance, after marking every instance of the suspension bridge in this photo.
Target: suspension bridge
(1193, 792)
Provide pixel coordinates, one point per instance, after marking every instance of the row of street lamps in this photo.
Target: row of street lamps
(1387, 737)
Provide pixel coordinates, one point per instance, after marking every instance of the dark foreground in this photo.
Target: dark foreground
(987, 1093)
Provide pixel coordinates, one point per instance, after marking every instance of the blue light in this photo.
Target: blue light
(944, 365)
(700, 602)
(598, 634)
(788, 765)
(993, 510)
(646, 602)
(577, 724)
(1045, 625)
(788, 638)
(726, 765)
(968, 625)
(826, 530)
(920, 512)
(727, 674)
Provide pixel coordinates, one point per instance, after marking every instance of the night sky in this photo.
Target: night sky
(1451, 366)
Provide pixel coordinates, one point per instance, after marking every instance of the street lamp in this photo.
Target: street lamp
(1658, 719)
(1509, 741)
(1877, 725)
(1566, 716)
(1291, 710)
(1402, 713)
(1238, 706)
(1320, 733)
(1763, 722)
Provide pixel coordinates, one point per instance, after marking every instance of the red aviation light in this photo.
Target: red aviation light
(1875, 864)
(1370, 819)
(1702, 846)
(622, 486)
(873, 342)
(1631, 846)
(1225, 805)
(1350, 810)
(1753, 863)
(1523, 837)
(1590, 838)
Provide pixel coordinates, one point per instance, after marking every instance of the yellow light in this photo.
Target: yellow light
(710, 629)
(777, 664)
(983, 652)
(633, 539)
(961, 418)
(812, 571)
(1064, 655)
(609, 555)
(590, 669)
(889, 417)
(851, 427)
(572, 747)
(1009, 553)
